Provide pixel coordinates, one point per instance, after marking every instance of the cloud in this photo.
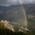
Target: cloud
(7, 2)
(14, 2)
(4, 3)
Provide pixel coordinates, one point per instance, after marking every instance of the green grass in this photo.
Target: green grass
(9, 32)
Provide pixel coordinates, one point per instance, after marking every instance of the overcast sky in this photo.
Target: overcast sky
(14, 2)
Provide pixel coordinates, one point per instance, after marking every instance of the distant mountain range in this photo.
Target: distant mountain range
(30, 9)
(8, 13)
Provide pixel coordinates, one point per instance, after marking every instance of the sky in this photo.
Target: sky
(14, 2)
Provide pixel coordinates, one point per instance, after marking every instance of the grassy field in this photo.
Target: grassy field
(4, 31)
(9, 32)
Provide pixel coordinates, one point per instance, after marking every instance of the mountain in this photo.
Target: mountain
(30, 9)
(12, 10)
(4, 10)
